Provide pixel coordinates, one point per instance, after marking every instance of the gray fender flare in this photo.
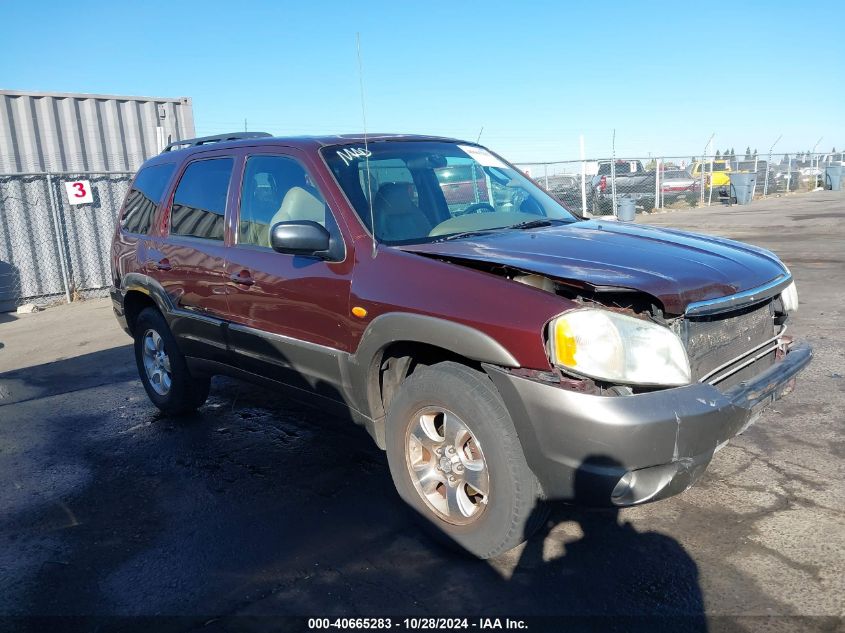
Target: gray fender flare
(138, 282)
(396, 327)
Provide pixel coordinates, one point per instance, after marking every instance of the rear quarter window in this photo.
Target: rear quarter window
(199, 203)
(144, 197)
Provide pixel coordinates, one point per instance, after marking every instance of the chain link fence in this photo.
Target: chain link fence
(601, 186)
(51, 250)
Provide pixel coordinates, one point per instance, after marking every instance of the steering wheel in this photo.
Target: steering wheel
(478, 207)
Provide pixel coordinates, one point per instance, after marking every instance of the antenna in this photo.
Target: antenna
(480, 132)
(366, 145)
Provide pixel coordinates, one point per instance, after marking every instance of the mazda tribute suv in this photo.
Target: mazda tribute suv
(497, 347)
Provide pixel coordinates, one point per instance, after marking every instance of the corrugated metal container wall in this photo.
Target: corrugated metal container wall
(59, 132)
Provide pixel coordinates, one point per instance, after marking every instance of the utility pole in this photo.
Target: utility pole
(613, 172)
(812, 154)
(703, 160)
(584, 211)
(769, 166)
(710, 194)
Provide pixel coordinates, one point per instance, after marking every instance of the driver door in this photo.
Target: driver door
(288, 313)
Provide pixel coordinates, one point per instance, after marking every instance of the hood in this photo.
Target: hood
(675, 267)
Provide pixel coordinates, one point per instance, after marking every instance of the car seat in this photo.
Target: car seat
(397, 217)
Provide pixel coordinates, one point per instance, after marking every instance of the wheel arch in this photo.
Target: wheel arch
(139, 292)
(133, 303)
(395, 344)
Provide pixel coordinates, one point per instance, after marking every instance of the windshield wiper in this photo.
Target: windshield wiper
(530, 224)
(533, 224)
(457, 236)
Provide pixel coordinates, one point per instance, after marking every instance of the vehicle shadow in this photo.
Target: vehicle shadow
(67, 375)
(259, 507)
(644, 579)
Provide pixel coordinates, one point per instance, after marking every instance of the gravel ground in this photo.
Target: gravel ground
(259, 506)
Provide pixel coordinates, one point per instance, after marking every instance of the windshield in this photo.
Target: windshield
(423, 191)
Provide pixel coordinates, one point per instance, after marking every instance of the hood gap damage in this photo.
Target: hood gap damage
(629, 301)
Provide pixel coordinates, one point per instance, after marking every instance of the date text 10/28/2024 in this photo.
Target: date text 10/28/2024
(415, 624)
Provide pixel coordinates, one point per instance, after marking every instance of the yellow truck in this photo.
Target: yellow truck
(721, 170)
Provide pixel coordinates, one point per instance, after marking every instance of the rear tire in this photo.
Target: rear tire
(447, 422)
(162, 367)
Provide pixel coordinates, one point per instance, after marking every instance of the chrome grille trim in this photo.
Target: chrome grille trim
(740, 299)
(777, 343)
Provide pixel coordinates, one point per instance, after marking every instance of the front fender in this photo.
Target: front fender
(395, 327)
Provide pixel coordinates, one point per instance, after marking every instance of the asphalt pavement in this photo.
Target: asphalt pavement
(260, 506)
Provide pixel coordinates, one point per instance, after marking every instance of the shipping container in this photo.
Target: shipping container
(63, 132)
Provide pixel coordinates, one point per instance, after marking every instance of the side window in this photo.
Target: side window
(277, 189)
(144, 197)
(199, 203)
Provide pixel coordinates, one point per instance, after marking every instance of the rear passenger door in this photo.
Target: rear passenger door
(287, 312)
(133, 237)
(189, 261)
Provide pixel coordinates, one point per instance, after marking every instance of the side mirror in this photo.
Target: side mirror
(302, 237)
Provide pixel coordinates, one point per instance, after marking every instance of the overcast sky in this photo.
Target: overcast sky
(533, 75)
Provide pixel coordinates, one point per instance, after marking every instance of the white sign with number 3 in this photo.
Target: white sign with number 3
(79, 192)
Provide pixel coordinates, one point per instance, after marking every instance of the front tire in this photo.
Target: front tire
(456, 460)
(162, 367)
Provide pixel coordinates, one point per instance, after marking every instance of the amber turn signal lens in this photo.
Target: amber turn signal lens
(359, 312)
(565, 345)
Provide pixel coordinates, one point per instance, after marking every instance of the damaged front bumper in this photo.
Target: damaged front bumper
(625, 450)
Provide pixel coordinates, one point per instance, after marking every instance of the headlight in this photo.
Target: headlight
(789, 298)
(618, 348)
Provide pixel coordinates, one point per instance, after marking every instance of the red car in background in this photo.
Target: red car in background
(461, 186)
(674, 182)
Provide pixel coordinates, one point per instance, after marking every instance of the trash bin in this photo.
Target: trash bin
(742, 186)
(833, 177)
(626, 210)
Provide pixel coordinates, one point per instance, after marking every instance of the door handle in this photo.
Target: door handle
(161, 264)
(243, 278)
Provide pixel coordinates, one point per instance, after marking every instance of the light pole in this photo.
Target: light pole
(613, 172)
(812, 155)
(769, 166)
(703, 161)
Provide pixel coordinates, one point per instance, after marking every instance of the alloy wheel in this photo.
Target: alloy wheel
(156, 363)
(447, 465)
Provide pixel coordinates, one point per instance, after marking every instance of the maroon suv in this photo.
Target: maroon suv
(500, 349)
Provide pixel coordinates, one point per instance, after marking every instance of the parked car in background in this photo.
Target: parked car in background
(502, 353)
(632, 181)
(462, 184)
(716, 174)
(566, 188)
(562, 182)
(676, 182)
(786, 180)
(758, 167)
(812, 176)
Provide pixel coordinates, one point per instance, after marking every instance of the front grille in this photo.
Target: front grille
(713, 341)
